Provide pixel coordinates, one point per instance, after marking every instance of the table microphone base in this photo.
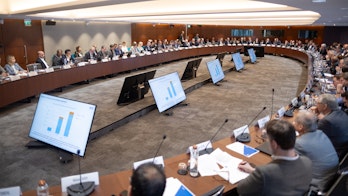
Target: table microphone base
(244, 138)
(84, 188)
(206, 151)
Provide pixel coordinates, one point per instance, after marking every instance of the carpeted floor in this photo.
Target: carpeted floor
(239, 98)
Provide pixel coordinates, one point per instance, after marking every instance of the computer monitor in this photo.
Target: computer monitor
(167, 91)
(238, 62)
(215, 70)
(252, 55)
(135, 87)
(62, 123)
(191, 69)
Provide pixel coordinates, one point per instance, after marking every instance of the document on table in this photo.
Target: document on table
(242, 149)
(207, 165)
(175, 188)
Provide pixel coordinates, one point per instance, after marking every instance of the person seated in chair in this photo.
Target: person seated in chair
(288, 172)
(315, 145)
(147, 180)
(12, 68)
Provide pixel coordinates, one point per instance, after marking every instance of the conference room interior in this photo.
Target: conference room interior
(115, 142)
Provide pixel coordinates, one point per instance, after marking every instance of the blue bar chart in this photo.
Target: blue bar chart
(171, 91)
(68, 124)
(59, 124)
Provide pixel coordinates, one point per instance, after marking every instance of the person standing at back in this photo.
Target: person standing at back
(288, 173)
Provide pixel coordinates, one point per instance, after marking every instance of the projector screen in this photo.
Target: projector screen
(167, 91)
(215, 70)
(62, 123)
(252, 55)
(238, 62)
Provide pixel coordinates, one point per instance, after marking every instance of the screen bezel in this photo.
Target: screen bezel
(86, 133)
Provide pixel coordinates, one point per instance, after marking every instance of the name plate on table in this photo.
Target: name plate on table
(11, 191)
(157, 160)
(87, 177)
(240, 130)
(93, 61)
(104, 60)
(200, 146)
(81, 64)
(262, 122)
(66, 66)
(49, 70)
(281, 112)
(14, 78)
(32, 73)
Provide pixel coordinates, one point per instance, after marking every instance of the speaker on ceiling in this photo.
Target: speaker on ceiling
(50, 22)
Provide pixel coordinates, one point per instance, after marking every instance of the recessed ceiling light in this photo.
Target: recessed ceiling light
(319, 1)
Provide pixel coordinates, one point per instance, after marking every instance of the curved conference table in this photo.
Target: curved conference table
(13, 91)
(115, 183)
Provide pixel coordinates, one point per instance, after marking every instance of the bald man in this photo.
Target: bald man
(41, 59)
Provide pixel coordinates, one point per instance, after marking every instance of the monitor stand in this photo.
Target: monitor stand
(169, 112)
(64, 156)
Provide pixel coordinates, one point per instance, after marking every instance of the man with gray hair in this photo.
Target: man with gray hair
(315, 145)
(333, 122)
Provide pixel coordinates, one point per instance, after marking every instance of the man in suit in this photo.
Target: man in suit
(287, 174)
(315, 145)
(333, 122)
(147, 180)
(41, 59)
(91, 54)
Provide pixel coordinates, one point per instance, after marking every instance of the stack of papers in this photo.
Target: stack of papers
(208, 165)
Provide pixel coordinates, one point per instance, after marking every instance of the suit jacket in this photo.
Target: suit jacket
(10, 70)
(319, 149)
(66, 61)
(38, 60)
(89, 56)
(279, 177)
(335, 126)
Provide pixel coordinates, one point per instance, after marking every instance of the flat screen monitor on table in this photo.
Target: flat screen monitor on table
(167, 91)
(135, 87)
(62, 123)
(238, 62)
(215, 71)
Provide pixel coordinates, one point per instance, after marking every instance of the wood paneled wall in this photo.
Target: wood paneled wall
(144, 31)
(16, 36)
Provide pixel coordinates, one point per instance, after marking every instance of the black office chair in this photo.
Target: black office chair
(340, 187)
(217, 191)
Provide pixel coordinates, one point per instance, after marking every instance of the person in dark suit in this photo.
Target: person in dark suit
(333, 122)
(91, 54)
(315, 145)
(147, 180)
(41, 59)
(57, 58)
(287, 174)
(67, 58)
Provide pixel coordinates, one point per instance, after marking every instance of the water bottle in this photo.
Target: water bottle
(42, 188)
(194, 162)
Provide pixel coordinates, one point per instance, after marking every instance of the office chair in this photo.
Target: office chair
(340, 187)
(217, 191)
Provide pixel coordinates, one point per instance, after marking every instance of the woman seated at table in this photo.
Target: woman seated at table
(12, 67)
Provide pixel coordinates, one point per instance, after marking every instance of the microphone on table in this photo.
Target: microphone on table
(272, 102)
(207, 150)
(159, 147)
(245, 137)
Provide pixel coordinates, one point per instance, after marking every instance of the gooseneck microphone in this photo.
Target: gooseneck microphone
(272, 102)
(245, 137)
(209, 150)
(159, 147)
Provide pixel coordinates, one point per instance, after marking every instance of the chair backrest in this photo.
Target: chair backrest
(30, 67)
(340, 187)
(217, 191)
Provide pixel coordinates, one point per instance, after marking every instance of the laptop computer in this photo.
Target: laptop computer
(265, 148)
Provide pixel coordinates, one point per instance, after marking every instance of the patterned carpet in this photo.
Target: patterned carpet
(239, 98)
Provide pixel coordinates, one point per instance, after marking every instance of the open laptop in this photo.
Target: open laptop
(265, 148)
